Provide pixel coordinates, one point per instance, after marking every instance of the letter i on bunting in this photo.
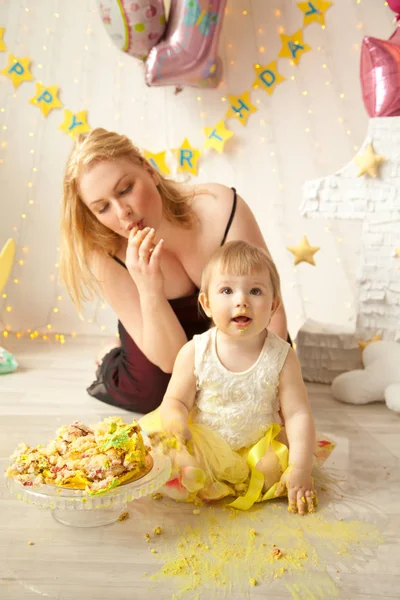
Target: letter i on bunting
(18, 70)
(74, 123)
(157, 161)
(46, 98)
(267, 77)
(240, 107)
(188, 157)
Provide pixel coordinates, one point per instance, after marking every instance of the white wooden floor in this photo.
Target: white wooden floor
(67, 563)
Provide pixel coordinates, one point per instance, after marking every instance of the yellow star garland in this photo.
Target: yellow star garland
(46, 98)
(18, 70)
(157, 161)
(217, 136)
(188, 157)
(314, 11)
(267, 77)
(75, 123)
(240, 107)
(3, 47)
(293, 46)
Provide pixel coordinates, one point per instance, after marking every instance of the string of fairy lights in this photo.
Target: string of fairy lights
(268, 138)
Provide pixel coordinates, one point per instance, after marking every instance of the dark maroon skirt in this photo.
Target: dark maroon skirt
(127, 379)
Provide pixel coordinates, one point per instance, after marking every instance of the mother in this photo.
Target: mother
(141, 241)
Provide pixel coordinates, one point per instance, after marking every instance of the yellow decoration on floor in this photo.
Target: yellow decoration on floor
(240, 107)
(18, 70)
(314, 11)
(6, 261)
(366, 343)
(157, 161)
(217, 136)
(293, 46)
(75, 123)
(3, 47)
(303, 252)
(267, 77)
(188, 158)
(369, 162)
(46, 98)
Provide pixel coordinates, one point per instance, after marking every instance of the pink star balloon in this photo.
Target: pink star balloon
(380, 75)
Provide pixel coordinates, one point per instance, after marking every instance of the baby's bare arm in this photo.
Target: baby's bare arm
(180, 395)
(300, 431)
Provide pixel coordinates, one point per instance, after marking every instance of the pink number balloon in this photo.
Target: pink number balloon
(187, 56)
(394, 5)
(380, 75)
(135, 26)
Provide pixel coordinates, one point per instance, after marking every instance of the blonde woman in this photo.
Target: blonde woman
(141, 241)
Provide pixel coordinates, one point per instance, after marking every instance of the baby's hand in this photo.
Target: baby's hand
(300, 490)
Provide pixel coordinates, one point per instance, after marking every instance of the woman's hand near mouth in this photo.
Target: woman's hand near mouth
(143, 260)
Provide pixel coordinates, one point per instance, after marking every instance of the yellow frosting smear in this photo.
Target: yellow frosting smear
(231, 551)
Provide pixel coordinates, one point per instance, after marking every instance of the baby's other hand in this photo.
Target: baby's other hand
(300, 490)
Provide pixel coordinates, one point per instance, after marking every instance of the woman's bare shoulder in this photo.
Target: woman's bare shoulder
(213, 205)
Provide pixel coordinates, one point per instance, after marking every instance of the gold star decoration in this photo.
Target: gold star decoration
(3, 47)
(18, 70)
(6, 261)
(217, 136)
(157, 161)
(46, 98)
(293, 46)
(188, 157)
(369, 162)
(240, 107)
(314, 11)
(364, 344)
(267, 77)
(303, 252)
(75, 123)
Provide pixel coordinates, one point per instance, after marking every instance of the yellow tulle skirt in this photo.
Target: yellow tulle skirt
(226, 472)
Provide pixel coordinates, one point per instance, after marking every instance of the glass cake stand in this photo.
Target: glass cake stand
(77, 509)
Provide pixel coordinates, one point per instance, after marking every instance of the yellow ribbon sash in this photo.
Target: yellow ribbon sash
(257, 478)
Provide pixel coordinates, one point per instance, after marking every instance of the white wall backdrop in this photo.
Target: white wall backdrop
(312, 125)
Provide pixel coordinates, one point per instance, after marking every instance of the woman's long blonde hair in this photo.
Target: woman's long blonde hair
(81, 233)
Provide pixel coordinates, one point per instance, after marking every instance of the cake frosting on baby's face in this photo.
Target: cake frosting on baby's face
(95, 458)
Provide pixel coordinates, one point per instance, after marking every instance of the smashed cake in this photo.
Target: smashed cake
(95, 459)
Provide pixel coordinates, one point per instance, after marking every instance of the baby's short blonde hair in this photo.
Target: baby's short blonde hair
(241, 258)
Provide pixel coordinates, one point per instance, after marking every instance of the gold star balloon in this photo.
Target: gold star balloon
(240, 107)
(157, 161)
(267, 77)
(303, 252)
(18, 70)
(217, 136)
(75, 123)
(314, 11)
(188, 157)
(368, 162)
(46, 98)
(293, 46)
(3, 47)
